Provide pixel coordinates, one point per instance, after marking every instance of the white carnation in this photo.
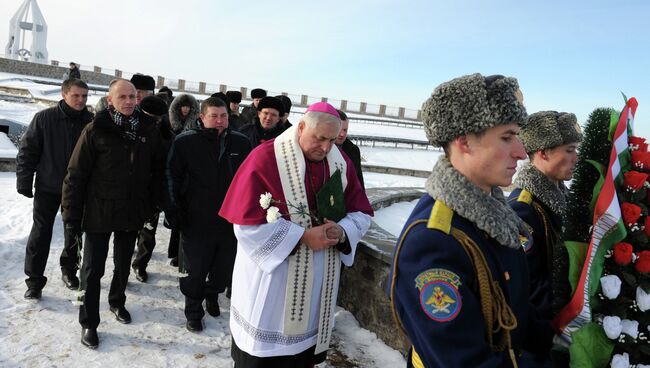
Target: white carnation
(612, 326)
(642, 299)
(265, 200)
(272, 214)
(630, 327)
(621, 361)
(611, 286)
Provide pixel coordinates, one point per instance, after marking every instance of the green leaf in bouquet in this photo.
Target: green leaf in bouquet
(590, 348)
(330, 200)
(628, 277)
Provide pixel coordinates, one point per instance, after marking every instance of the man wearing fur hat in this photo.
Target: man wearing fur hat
(459, 282)
(285, 279)
(234, 99)
(250, 112)
(144, 86)
(266, 125)
(551, 141)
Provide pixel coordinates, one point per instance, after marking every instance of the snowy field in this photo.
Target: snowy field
(393, 217)
(47, 334)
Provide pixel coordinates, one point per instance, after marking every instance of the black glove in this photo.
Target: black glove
(73, 227)
(27, 192)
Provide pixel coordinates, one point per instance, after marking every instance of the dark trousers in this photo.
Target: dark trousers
(174, 241)
(46, 205)
(207, 254)
(92, 270)
(306, 359)
(146, 243)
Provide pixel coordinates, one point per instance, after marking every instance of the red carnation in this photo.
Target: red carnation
(637, 144)
(631, 213)
(641, 160)
(634, 180)
(642, 264)
(623, 253)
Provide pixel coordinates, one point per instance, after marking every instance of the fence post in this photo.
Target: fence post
(382, 110)
(118, 73)
(97, 69)
(303, 100)
(323, 99)
(362, 107)
(244, 92)
(181, 85)
(344, 105)
(401, 112)
(54, 62)
(223, 88)
(202, 87)
(420, 115)
(160, 81)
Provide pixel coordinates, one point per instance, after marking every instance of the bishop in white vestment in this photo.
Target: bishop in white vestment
(286, 273)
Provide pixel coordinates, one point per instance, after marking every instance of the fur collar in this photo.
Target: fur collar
(489, 213)
(539, 185)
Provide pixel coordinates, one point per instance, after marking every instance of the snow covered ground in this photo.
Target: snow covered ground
(393, 217)
(46, 333)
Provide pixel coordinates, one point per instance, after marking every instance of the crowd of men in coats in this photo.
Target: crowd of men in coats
(113, 173)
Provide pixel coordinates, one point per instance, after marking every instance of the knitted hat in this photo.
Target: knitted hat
(143, 82)
(153, 105)
(258, 93)
(548, 129)
(286, 101)
(271, 102)
(234, 96)
(471, 104)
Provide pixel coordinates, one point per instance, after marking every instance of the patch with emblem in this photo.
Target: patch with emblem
(439, 296)
(526, 241)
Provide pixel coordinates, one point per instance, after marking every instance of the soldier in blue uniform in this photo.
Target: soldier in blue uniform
(551, 141)
(459, 283)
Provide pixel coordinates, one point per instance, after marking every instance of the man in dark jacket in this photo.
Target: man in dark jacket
(250, 112)
(112, 186)
(45, 149)
(201, 165)
(234, 99)
(348, 147)
(73, 72)
(284, 119)
(266, 125)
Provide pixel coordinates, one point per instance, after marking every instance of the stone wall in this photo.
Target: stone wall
(50, 71)
(363, 286)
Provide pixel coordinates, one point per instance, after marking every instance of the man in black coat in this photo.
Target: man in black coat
(266, 125)
(348, 147)
(200, 168)
(45, 150)
(234, 99)
(112, 186)
(250, 112)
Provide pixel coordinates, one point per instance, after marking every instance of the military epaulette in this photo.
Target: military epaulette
(440, 218)
(525, 197)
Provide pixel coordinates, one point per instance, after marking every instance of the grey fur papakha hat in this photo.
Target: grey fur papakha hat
(548, 129)
(471, 104)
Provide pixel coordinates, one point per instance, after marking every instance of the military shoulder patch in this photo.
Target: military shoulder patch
(526, 238)
(439, 296)
(525, 197)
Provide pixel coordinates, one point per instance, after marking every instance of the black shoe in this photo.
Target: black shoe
(194, 325)
(212, 307)
(89, 337)
(70, 281)
(121, 314)
(174, 262)
(140, 274)
(33, 294)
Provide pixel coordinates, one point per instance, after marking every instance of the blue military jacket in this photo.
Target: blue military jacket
(539, 252)
(435, 292)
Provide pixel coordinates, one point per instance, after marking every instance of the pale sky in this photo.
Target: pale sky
(569, 56)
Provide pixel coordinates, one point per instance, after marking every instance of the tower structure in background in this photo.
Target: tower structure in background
(27, 19)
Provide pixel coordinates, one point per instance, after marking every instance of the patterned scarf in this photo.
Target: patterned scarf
(128, 124)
